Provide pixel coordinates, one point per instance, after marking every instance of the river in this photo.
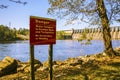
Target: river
(62, 50)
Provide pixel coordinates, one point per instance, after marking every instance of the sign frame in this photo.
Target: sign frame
(42, 30)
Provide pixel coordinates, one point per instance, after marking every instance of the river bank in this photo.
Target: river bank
(89, 67)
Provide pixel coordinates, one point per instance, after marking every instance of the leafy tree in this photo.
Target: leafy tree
(60, 35)
(94, 12)
(6, 33)
(23, 31)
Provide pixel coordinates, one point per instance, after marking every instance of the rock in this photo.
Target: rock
(8, 65)
(43, 69)
(60, 63)
(99, 55)
(53, 63)
(78, 66)
(27, 69)
(104, 54)
(37, 65)
(90, 61)
(37, 62)
(117, 49)
(74, 61)
(87, 55)
(21, 67)
(55, 66)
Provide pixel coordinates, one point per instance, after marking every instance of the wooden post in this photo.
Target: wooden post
(32, 76)
(50, 58)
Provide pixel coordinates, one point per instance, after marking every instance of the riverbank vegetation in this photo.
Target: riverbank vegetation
(9, 34)
(60, 35)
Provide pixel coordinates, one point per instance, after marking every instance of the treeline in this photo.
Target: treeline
(60, 35)
(8, 34)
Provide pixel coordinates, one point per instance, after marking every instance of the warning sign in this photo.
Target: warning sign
(42, 30)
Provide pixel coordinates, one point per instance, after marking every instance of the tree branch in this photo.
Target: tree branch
(18, 1)
(3, 6)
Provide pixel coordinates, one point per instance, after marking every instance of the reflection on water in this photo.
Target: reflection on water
(63, 49)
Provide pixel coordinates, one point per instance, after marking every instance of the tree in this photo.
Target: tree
(23, 31)
(6, 33)
(94, 12)
(106, 28)
(3, 6)
(60, 35)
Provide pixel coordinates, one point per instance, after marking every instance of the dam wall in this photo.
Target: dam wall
(93, 33)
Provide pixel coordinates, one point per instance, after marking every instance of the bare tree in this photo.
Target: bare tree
(3, 6)
(94, 12)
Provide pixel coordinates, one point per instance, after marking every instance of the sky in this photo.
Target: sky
(18, 15)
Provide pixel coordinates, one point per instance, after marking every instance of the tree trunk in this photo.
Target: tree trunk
(106, 28)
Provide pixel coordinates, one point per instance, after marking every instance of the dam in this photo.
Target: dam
(91, 33)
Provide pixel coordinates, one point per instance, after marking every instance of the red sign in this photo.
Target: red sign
(42, 30)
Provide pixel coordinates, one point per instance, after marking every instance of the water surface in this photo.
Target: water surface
(63, 49)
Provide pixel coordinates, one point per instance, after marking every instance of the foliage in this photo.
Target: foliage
(23, 31)
(84, 10)
(8, 34)
(60, 35)
(94, 12)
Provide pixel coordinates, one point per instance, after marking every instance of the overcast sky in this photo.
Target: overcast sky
(17, 15)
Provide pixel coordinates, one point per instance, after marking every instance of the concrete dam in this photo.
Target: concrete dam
(91, 33)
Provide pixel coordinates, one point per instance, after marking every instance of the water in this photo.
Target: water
(63, 49)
